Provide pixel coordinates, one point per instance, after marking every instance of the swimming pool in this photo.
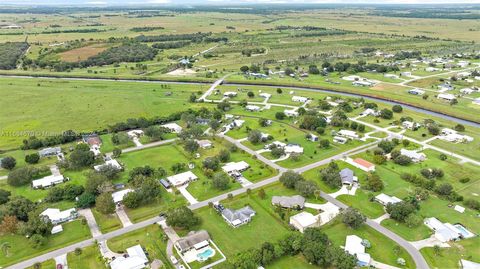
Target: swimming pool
(207, 253)
(465, 233)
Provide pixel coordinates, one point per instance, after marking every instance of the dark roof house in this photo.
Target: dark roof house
(192, 240)
(238, 217)
(295, 201)
(347, 177)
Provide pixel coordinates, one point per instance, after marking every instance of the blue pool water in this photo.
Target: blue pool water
(205, 254)
(465, 233)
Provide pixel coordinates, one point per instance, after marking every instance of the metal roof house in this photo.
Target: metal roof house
(238, 217)
(347, 177)
(49, 151)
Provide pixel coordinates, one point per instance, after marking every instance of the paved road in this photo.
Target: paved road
(391, 102)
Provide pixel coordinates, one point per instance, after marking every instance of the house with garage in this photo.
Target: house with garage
(173, 127)
(369, 112)
(134, 133)
(204, 143)
(413, 155)
(303, 220)
(47, 152)
(416, 92)
(444, 232)
(252, 108)
(312, 137)
(467, 91)
(265, 95)
(194, 240)
(230, 94)
(239, 217)
(135, 258)
(293, 149)
(348, 134)
(48, 181)
(94, 142)
(112, 162)
(57, 217)
(235, 167)
(293, 202)
(182, 178)
(410, 125)
(291, 112)
(450, 135)
(118, 195)
(446, 97)
(354, 246)
(385, 199)
(347, 177)
(299, 99)
(362, 164)
(340, 140)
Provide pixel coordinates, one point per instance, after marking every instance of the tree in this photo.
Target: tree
(374, 183)
(250, 94)
(244, 69)
(255, 136)
(443, 157)
(444, 189)
(19, 207)
(182, 217)
(191, 146)
(132, 200)
(148, 189)
(324, 143)
(330, 175)
(8, 163)
(116, 152)
(290, 179)
(224, 155)
(85, 200)
(353, 218)
(192, 98)
(397, 108)
(9, 225)
(400, 211)
(263, 122)
(277, 152)
(220, 181)
(77, 251)
(214, 124)
(306, 188)
(261, 194)
(386, 114)
(23, 175)
(156, 132)
(459, 128)
(279, 91)
(413, 220)
(104, 203)
(386, 146)
(379, 159)
(211, 163)
(402, 160)
(405, 143)
(437, 251)
(280, 116)
(81, 156)
(4, 196)
(37, 240)
(32, 158)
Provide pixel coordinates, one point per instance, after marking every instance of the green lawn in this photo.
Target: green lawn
(408, 233)
(382, 248)
(150, 238)
(449, 257)
(297, 262)
(46, 264)
(106, 223)
(73, 232)
(90, 258)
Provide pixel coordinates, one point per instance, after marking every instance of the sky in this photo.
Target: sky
(223, 2)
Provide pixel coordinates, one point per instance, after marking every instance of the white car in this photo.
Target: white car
(173, 259)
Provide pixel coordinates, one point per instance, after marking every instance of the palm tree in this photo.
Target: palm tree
(5, 246)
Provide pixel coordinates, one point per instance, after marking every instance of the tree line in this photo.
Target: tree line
(10, 53)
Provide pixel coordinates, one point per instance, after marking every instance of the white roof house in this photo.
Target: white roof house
(416, 92)
(368, 112)
(56, 216)
(204, 143)
(48, 181)
(299, 99)
(230, 94)
(114, 163)
(363, 83)
(293, 148)
(443, 231)
(252, 108)
(303, 220)
(385, 199)
(118, 196)
(467, 90)
(453, 136)
(465, 264)
(352, 78)
(446, 96)
(291, 112)
(235, 166)
(459, 208)
(354, 246)
(173, 127)
(182, 178)
(134, 133)
(237, 123)
(410, 125)
(413, 155)
(348, 134)
(136, 259)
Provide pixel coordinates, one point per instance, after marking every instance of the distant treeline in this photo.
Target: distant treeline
(171, 45)
(146, 28)
(89, 30)
(10, 52)
(196, 37)
(430, 14)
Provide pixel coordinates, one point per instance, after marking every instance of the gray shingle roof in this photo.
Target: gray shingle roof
(241, 214)
(289, 201)
(346, 175)
(190, 240)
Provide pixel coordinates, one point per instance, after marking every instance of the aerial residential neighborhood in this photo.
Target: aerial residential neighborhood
(246, 135)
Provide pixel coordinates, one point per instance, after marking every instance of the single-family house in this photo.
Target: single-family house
(463, 74)
(204, 143)
(118, 195)
(112, 162)
(295, 202)
(463, 64)
(303, 220)
(56, 216)
(182, 178)
(432, 69)
(446, 96)
(291, 113)
(369, 112)
(135, 259)
(347, 177)
(363, 83)
(299, 99)
(312, 137)
(92, 140)
(229, 94)
(277, 144)
(444, 232)
(46, 152)
(445, 87)
(293, 149)
(238, 217)
(416, 92)
(265, 95)
(232, 167)
(202, 121)
(450, 135)
(252, 108)
(134, 133)
(236, 123)
(410, 125)
(406, 74)
(340, 139)
(467, 90)
(363, 164)
(466, 264)
(354, 246)
(48, 181)
(173, 127)
(194, 240)
(385, 199)
(348, 134)
(413, 155)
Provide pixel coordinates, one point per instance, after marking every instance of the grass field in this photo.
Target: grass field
(57, 105)
(82, 53)
(20, 247)
(106, 223)
(90, 258)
